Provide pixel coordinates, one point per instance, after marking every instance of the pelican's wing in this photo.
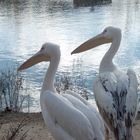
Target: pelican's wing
(132, 96)
(116, 97)
(104, 100)
(67, 117)
(85, 102)
(77, 96)
(89, 111)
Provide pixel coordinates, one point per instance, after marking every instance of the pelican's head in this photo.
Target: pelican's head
(107, 36)
(47, 52)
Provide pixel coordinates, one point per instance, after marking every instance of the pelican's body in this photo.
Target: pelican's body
(115, 91)
(67, 116)
(116, 98)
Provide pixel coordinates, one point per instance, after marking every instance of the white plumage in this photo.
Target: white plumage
(67, 116)
(115, 91)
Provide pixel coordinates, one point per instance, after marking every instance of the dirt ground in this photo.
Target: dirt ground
(32, 126)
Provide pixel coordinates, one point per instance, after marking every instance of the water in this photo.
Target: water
(26, 25)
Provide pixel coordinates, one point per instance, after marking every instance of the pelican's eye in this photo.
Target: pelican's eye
(104, 31)
(42, 48)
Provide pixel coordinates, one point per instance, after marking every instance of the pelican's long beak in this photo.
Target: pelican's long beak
(91, 43)
(38, 57)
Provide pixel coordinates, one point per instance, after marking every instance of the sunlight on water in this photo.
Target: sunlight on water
(25, 26)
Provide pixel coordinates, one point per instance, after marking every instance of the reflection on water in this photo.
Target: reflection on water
(26, 25)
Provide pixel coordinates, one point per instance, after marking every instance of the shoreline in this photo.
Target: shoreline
(34, 128)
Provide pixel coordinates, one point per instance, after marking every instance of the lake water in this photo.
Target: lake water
(26, 24)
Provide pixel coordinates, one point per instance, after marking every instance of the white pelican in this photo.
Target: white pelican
(115, 91)
(68, 116)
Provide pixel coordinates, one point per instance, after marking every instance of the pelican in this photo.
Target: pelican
(68, 116)
(115, 91)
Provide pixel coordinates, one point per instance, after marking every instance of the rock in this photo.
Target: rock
(78, 3)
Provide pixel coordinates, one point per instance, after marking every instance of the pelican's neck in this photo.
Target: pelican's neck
(106, 63)
(48, 83)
